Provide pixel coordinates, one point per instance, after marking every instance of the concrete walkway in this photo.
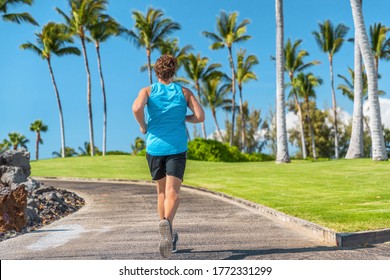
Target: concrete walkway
(120, 221)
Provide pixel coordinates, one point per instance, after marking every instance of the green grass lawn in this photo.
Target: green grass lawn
(343, 195)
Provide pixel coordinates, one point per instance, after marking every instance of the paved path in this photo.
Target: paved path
(120, 221)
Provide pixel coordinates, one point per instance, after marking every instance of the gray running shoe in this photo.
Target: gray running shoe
(175, 239)
(165, 245)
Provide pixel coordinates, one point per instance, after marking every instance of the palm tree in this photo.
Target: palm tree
(83, 16)
(151, 29)
(38, 126)
(348, 89)
(244, 75)
(69, 152)
(4, 145)
(380, 45)
(282, 155)
(359, 89)
(104, 28)
(198, 70)
(228, 33)
(171, 46)
(53, 40)
(139, 145)
(15, 140)
(214, 95)
(16, 17)
(294, 63)
(86, 150)
(378, 145)
(330, 40)
(356, 89)
(304, 85)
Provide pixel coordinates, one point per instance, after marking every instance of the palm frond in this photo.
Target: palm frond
(212, 36)
(19, 18)
(32, 47)
(68, 51)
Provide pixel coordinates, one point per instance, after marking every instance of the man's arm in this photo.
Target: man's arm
(198, 115)
(138, 108)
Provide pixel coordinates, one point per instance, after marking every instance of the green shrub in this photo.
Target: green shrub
(211, 150)
(111, 153)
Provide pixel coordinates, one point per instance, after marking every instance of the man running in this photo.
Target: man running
(166, 141)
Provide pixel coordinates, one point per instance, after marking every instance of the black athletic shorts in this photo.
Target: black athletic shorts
(172, 165)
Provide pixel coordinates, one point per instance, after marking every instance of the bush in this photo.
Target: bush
(142, 153)
(259, 157)
(112, 153)
(211, 150)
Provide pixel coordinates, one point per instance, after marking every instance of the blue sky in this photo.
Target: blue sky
(26, 91)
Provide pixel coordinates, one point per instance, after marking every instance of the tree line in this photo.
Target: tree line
(88, 21)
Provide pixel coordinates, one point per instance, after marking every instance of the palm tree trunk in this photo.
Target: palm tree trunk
(233, 94)
(89, 99)
(298, 105)
(216, 124)
(59, 109)
(313, 143)
(355, 149)
(378, 145)
(243, 140)
(199, 99)
(37, 146)
(301, 127)
(188, 134)
(148, 53)
(282, 155)
(104, 100)
(334, 105)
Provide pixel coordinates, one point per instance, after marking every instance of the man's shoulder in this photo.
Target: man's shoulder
(145, 90)
(186, 91)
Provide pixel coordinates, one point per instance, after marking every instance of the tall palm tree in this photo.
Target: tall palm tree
(16, 139)
(214, 96)
(356, 145)
(293, 64)
(330, 40)
(198, 70)
(104, 28)
(151, 29)
(228, 33)
(282, 155)
(83, 14)
(380, 45)
(378, 145)
(16, 17)
(356, 90)
(304, 85)
(244, 75)
(38, 126)
(53, 39)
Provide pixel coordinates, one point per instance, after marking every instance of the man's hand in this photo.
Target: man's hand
(143, 130)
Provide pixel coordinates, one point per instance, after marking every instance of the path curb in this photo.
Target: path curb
(339, 239)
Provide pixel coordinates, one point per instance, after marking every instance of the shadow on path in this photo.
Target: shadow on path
(249, 254)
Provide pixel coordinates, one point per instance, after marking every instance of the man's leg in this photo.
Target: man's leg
(172, 197)
(161, 197)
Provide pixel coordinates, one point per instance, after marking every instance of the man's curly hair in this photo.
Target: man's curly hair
(165, 67)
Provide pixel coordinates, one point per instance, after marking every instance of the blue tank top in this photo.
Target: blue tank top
(167, 109)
